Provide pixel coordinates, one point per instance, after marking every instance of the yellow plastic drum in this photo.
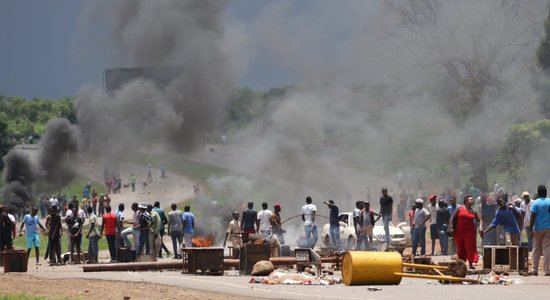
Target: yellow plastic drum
(364, 267)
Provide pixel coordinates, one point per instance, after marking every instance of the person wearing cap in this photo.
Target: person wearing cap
(144, 227)
(276, 224)
(526, 206)
(386, 211)
(433, 221)
(233, 233)
(308, 216)
(334, 225)
(421, 216)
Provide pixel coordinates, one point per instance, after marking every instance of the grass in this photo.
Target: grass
(21, 242)
(76, 186)
(23, 296)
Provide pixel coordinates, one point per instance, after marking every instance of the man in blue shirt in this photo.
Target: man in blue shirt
(540, 222)
(188, 226)
(506, 216)
(32, 222)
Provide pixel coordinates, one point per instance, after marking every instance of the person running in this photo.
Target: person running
(75, 223)
(188, 226)
(32, 222)
(109, 225)
(175, 228)
(464, 233)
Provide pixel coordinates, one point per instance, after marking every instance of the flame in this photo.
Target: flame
(203, 241)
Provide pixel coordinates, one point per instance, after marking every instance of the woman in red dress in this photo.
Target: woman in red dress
(463, 228)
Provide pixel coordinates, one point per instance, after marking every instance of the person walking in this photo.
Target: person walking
(310, 228)
(464, 232)
(421, 216)
(386, 211)
(32, 222)
(109, 226)
(540, 222)
(175, 228)
(163, 221)
(188, 226)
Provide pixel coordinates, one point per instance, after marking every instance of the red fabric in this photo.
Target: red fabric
(109, 220)
(411, 217)
(465, 236)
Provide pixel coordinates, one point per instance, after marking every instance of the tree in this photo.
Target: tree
(541, 82)
(5, 142)
(471, 55)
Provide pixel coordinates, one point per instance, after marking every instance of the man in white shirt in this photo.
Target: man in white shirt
(263, 222)
(308, 216)
(433, 226)
(526, 207)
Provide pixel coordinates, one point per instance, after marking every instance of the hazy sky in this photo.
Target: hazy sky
(37, 52)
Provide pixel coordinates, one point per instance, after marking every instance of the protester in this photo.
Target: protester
(75, 223)
(386, 211)
(506, 216)
(334, 225)
(101, 207)
(526, 206)
(248, 221)
(421, 216)
(464, 231)
(144, 219)
(175, 228)
(93, 238)
(263, 224)
(94, 201)
(452, 207)
(154, 231)
(432, 208)
(54, 236)
(6, 228)
(32, 222)
(442, 222)
(367, 221)
(109, 225)
(133, 182)
(540, 222)
(357, 223)
(163, 221)
(119, 242)
(276, 223)
(310, 228)
(188, 226)
(134, 230)
(234, 234)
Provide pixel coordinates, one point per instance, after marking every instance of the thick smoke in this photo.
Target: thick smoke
(53, 167)
(141, 114)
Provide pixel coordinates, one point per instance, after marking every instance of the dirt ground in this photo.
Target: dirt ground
(30, 285)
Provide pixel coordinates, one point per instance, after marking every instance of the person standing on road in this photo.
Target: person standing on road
(163, 221)
(452, 207)
(32, 222)
(276, 224)
(432, 208)
(119, 242)
(144, 227)
(442, 222)
(386, 211)
(154, 231)
(248, 221)
(540, 222)
(263, 224)
(93, 238)
(334, 222)
(367, 225)
(133, 230)
(421, 216)
(234, 234)
(175, 228)
(133, 182)
(357, 224)
(188, 226)
(308, 216)
(465, 232)
(506, 216)
(6, 228)
(54, 236)
(526, 206)
(75, 224)
(109, 224)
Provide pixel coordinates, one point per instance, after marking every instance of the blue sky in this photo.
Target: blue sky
(36, 50)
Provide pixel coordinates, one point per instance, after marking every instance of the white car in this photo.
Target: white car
(349, 238)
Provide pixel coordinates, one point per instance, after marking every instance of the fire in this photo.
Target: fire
(204, 241)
